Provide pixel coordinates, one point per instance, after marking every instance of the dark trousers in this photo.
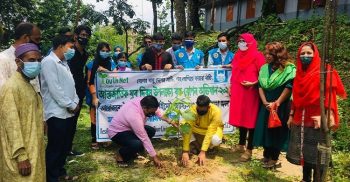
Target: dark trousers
(309, 171)
(93, 133)
(57, 147)
(131, 144)
(243, 137)
(74, 126)
(271, 153)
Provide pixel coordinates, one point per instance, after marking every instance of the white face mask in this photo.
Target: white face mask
(222, 45)
(242, 46)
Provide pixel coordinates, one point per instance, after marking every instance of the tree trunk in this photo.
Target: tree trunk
(194, 15)
(212, 18)
(126, 40)
(154, 7)
(77, 18)
(189, 6)
(172, 16)
(180, 16)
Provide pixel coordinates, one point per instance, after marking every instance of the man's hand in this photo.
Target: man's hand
(317, 121)
(248, 84)
(201, 158)
(167, 67)
(24, 168)
(197, 67)
(185, 158)
(226, 66)
(179, 67)
(157, 162)
(74, 110)
(289, 122)
(147, 67)
(101, 69)
(95, 101)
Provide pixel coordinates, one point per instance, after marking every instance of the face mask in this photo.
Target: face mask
(158, 47)
(69, 54)
(31, 69)
(116, 54)
(222, 45)
(189, 43)
(122, 64)
(242, 46)
(306, 60)
(104, 55)
(201, 113)
(83, 41)
(151, 114)
(176, 47)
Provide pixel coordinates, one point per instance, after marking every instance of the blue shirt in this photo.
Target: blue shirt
(57, 88)
(216, 57)
(88, 96)
(139, 59)
(189, 60)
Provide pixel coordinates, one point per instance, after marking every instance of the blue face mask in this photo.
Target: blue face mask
(31, 69)
(104, 55)
(116, 54)
(69, 54)
(176, 47)
(158, 47)
(189, 43)
(122, 64)
(306, 60)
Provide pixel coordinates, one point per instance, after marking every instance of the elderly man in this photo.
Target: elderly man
(21, 121)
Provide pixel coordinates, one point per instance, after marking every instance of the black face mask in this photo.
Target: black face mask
(150, 114)
(83, 41)
(201, 113)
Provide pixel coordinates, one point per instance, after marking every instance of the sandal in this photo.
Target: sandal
(238, 148)
(95, 146)
(272, 164)
(68, 178)
(246, 156)
(122, 164)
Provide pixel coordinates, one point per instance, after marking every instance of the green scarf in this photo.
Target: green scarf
(278, 78)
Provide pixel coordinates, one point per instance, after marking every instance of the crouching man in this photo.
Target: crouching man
(206, 130)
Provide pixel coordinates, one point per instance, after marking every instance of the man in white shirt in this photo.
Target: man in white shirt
(60, 105)
(176, 42)
(24, 33)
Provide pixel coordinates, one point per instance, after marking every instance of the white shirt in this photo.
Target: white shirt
(223, 57)
(8, 66)
(57, 88)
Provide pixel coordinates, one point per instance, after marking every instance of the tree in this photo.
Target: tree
(155, 3)
(268, 7)
(172, 16)
(180, 15)
(194, 14)
(119, 10)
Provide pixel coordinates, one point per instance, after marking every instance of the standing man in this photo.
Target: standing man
(188, 56)
(146, 43)
(176, 42)
(206, 131)
(21, 121)
(129, 130)
(24, 33)
(221, 55)
(61, 103)
(155, 58)
(76, 64)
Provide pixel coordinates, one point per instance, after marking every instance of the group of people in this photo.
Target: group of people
(37, 89)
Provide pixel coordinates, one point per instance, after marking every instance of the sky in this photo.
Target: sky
(142, 8)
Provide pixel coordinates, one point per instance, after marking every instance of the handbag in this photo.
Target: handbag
(274, 121)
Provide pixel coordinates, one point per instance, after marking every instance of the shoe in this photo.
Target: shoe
(76, 153)
(272, 164)
(95, 146)
(246, 156)
(238, 149)
(68, 178)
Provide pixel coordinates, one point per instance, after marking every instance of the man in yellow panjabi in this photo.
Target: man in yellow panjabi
(22, 149)
(206, 130)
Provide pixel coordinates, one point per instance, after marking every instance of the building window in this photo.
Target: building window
(304, 4)
(229, 12)
(250, 9)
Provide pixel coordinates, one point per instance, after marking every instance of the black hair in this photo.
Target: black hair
(64, 30)
(23, 28)
(99, 61)
(146, 37)
(203, 100)
(80, 28)
(176, 36)
(190, 34)
(149, 102)
(59, 40)
(122, 54)
(158, 36)
(223, 34)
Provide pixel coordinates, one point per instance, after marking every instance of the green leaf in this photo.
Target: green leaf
(185, 128)
(188, 115)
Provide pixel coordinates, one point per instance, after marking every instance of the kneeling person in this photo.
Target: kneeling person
(206, 131)
(128, 129)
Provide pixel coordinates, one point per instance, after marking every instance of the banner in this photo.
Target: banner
(115, 89)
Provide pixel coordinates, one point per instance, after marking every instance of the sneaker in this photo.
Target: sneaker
(76, 153)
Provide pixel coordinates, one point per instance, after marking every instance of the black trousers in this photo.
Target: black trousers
(93, 133)
(57, 147)
(243, 137)
(74, 125)
(309, 170)
(131, 144)
(271, 153)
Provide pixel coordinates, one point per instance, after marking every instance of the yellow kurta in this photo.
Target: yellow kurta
(207, 125)
(21, 131)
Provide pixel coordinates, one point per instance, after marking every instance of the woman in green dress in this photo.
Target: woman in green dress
(275, 88)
